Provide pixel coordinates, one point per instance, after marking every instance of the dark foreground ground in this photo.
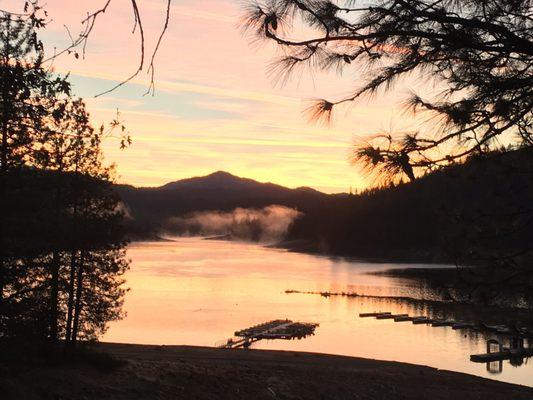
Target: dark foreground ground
(176, 372)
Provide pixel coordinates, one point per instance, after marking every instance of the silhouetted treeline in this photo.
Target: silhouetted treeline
(473, 213)
(61, 247)
(63, 258)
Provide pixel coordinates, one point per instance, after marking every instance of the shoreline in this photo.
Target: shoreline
(188, 372)
(310, 247)
(411, 256)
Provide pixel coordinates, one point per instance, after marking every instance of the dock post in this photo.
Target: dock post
(495, 367)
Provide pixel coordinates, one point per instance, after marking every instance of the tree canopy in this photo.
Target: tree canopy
(62, 255)
(480, 50)
(33, 13)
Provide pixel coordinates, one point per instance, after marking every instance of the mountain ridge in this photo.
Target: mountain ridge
(150, 208)
(218, 180)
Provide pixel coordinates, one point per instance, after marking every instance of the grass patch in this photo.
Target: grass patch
(99, 360)
(26, 353)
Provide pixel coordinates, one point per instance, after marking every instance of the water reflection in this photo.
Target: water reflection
(198, 292)
(495, 367)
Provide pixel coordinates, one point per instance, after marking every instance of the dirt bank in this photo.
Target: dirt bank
(179, 372)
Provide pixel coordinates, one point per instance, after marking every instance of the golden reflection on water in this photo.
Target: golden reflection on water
(198, 292)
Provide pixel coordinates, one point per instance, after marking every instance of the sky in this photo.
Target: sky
(215, 106)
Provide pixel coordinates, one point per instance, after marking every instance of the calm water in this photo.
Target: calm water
(198, 292)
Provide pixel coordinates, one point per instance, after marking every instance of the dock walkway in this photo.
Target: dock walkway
(502, 355)
(514, 335)
(276, 329)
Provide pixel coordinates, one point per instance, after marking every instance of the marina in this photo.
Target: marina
(505, 330)
(510, 341)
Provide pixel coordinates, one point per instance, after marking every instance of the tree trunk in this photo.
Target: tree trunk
(78, 305)
(56, 261)
(54, 296)
(73, 266)
(2, 223)
(3, 156)
(2, 267)
(70, 307)
(3, 175)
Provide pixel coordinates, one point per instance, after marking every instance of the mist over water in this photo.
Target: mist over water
(266, 225)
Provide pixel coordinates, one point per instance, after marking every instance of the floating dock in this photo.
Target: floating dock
(442, 322)
(403, 318)
(515, 350)
(502, 355)
(502, 330)
(277, 329)
(391, 316)
(463, 325)
(514, 335)
(373, 314)
(422, 320)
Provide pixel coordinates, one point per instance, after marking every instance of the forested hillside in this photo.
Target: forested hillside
(150, 208)
(435, 218)
(441, 217)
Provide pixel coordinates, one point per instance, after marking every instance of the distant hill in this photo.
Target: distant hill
(221, 180)
(418, 221)
(221, 191)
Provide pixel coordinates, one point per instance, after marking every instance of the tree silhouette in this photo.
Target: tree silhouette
(28, 91)
(61, 248)
(34, 13)
(481, 50)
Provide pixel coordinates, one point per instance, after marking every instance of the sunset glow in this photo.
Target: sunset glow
(226, 199)
(215, 106)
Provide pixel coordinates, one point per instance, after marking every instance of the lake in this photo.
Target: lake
(198, 292)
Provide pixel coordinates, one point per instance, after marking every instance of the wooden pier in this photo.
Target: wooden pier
(514, 350)
(502, 355)
(513, 335)
(463, 325)
(403, 318)
(277, 329)
(503, 330)
(422, 320)
(391, 316)
(374, 314)
(442, 322)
